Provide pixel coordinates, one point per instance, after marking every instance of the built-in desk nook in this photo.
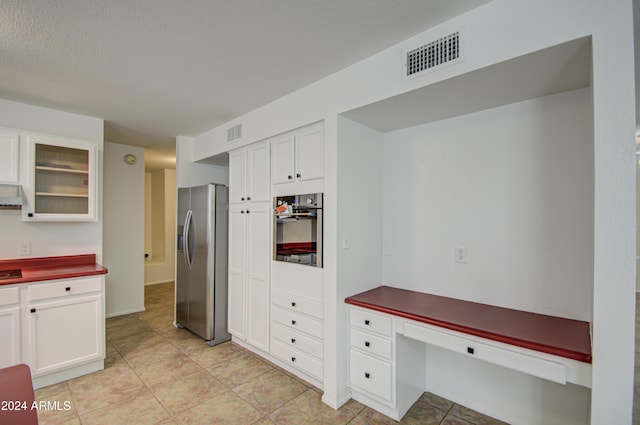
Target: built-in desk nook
(389, 327)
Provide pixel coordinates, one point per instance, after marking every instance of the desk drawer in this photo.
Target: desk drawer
(297, 303)
(372, 322)
(296, 358)
(371, 344)
(539, 367)
(9, 296)
(297, 340)
(295, 321)
(371, 375)
(64, 288)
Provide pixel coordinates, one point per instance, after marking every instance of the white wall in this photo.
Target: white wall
(514, 185)
(189, 173)
(161, 224)
(498, 31)
(124, 230)
(49, 238)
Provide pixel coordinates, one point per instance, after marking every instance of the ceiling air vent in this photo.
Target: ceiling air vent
(445, 50)
(234, 133)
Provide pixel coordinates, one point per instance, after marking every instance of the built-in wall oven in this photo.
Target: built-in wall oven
(297, 229)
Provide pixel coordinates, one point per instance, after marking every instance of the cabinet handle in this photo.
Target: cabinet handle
(470, 350)
(367, 375)
(30, 215)
(33, 310)
(366, 343)
(298, 175)
(242, 212)
(293, 322)
(248, 198)
(367, 322)
(293, 303)
(293, 340)
(248, 211)
(293, 359)
(68, 289)
(242, 199)
(289, 177)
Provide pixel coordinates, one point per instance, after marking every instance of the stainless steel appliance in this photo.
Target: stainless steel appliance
(297, 229)
(201, 262)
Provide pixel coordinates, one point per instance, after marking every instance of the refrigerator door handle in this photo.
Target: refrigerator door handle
(187, 237)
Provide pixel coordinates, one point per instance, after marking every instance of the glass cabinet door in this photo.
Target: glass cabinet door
(62, 182)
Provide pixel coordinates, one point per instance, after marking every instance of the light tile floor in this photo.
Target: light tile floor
(157, 374)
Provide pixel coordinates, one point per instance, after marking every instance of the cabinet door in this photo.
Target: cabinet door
(237, 176)
(9, 157)
(237, 266)
(65, 333)
(258, 259)
(310, 153)
(10, 336)
(282, 160)
(258, 182)
(62, 182)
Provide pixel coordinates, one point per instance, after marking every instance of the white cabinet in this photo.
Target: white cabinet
(371, 368)
(9, 327)
(9, 156)
(65, 324)
(249, 174)
(249, 258)
(61, 183)
(298, 156)
(297, 332)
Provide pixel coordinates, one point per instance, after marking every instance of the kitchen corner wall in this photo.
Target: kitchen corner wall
(51, 238)
(123, 198)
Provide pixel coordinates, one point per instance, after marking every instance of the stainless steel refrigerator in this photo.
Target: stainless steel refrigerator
(201, 261)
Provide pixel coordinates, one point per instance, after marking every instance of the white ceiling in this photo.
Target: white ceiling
(155, 69)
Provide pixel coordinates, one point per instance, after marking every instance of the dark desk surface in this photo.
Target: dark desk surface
(548, 334)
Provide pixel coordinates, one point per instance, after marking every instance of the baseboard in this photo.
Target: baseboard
(157, 282)
(122, 313)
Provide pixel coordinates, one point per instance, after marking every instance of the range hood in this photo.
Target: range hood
(11, 197)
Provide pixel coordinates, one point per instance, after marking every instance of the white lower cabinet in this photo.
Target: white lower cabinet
(249, 257)
(64, 333)
(371, 355)
(10, 327)
(297, 332)
(56, 327)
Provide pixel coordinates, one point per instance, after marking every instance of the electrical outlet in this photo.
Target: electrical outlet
(460, 254)
(25, 248)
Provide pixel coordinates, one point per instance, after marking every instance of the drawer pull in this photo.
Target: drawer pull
(298, 175)
(293, 303)
(471, 350)
(293, 340)
(33, 310)
(293, 322)
(367, 375)
(367, 322)
(293, 359)
(367, 343)
(289, 177)
(68, 289)
(242, 199)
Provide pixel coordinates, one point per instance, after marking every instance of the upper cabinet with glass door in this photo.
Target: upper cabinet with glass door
(62, 181)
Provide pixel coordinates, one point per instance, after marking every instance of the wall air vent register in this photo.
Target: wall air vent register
(444, 50)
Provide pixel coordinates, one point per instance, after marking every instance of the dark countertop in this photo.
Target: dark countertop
(549, 334)
(49, 268)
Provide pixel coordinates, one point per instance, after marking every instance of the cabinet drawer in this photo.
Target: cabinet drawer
(297, 303)
(535, 366)
(370, 321)
(371, 344)
(295, 321)
(297, 358)
(297, 340)
(9, 296)
(64, 288)
(371, 375)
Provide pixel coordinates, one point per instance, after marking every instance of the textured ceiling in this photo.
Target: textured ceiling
(155, 69)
